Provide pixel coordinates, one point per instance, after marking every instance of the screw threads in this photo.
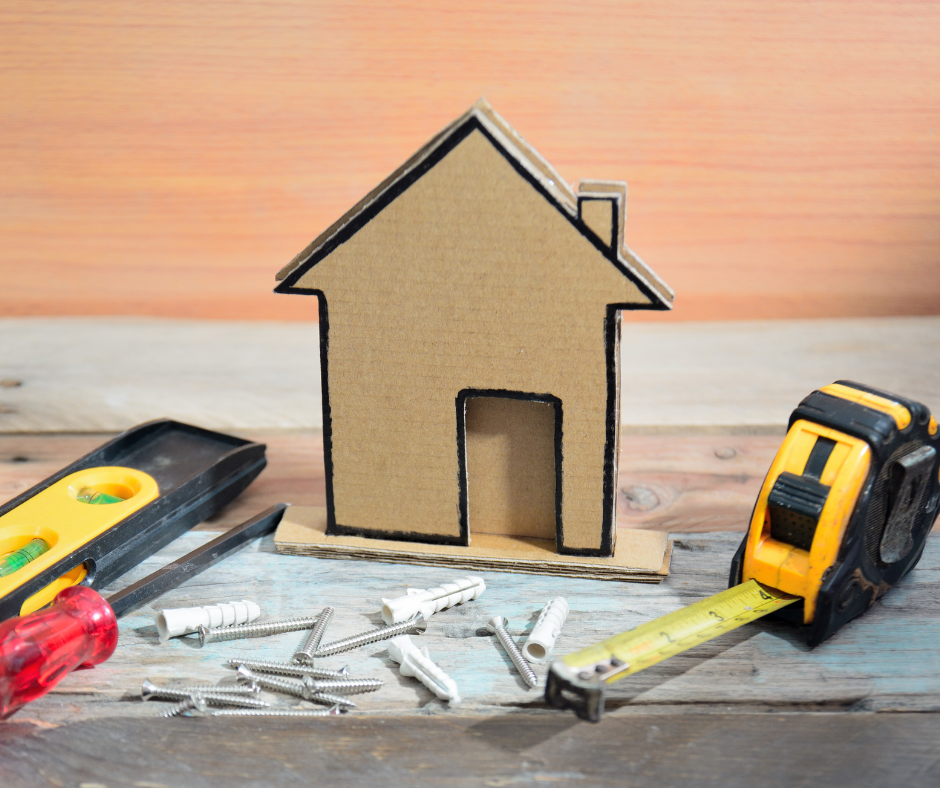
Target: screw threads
(290, 687)
(329, 699)
(305, 655)
(343, 687)
(497, 625)
(183, 707)
(288, 669)
(212, 698)
(202, 689)
(414, 625)
(276, 712)
(274, 683)
(260, 630)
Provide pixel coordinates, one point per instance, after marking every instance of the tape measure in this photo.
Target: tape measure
(843, 514)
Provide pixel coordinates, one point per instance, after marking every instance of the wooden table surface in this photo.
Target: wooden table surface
(755, 707)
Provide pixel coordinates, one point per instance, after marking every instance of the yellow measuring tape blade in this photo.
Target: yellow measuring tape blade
(629, 652)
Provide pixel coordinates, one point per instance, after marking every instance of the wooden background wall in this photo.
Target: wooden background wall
(167, 158)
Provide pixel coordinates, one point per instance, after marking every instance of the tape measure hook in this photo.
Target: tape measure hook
(582, 689)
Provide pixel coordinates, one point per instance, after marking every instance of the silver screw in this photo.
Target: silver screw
(191, 704)
(200, 689)
(289, 669)
(289, 687)
(305, 655)
(263, 629)
(276, 712)
(150, 691)
(417, 624)
(497, 625)
(329, 699)
(343, 687)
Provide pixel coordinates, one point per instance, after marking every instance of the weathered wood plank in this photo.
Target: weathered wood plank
(667, 482)
(241, 375)
(889, 659)
(642, 751)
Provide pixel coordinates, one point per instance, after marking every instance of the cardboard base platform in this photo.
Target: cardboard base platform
(640, 556)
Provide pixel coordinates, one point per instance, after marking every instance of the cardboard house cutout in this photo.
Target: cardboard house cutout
(469, 346)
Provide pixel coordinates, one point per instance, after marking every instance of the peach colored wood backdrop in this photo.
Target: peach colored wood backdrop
(167, 158)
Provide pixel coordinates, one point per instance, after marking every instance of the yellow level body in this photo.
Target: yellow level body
(65, 523)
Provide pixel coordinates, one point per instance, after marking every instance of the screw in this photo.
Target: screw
(150, 691)
(289, 687)
(343, 687)
(201, 689)
(276, 627)
(288, 669)
(276, 712)
(329, 699)
(417, 624)
(191, 704)
(497, 625)
(305, 655)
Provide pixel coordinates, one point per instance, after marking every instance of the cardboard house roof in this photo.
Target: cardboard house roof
(527, 160)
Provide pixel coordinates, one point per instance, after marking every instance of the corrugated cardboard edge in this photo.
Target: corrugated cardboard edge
(640, 556)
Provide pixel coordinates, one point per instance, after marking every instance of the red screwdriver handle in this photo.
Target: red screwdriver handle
(38, 650)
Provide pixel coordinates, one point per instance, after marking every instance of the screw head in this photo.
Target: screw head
(203, 633)
(147, 689)
(419, 623)
(495, 622)
(244, 676)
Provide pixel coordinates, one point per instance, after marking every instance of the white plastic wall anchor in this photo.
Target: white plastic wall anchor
(538, 646)
(418, 664)
(428, 602)
(178, 621)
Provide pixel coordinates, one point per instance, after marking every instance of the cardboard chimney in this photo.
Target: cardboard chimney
(469, 347)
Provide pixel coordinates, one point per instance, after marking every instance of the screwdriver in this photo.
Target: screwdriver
(38, 650)
(80, 628)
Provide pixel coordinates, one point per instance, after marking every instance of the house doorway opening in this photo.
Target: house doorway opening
(512, 443)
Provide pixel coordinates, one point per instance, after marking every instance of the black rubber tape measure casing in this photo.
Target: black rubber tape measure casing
(895, 511)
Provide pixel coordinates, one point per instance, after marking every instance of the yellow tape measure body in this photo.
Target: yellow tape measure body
(579, 678)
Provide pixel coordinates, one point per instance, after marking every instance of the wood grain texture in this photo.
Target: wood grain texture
(667, 482)
(167, 159)
(108, 374)
(888, 660)
(662, 750)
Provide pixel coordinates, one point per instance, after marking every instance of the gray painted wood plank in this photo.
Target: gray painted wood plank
(107, 374)
(889, 659)
(641, 751)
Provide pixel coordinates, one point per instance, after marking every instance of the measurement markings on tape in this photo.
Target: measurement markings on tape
(640, 648)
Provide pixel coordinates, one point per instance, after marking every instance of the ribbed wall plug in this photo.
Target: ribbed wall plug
(538, 646)
(430, 601)
(418, 664)
(177, 621)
